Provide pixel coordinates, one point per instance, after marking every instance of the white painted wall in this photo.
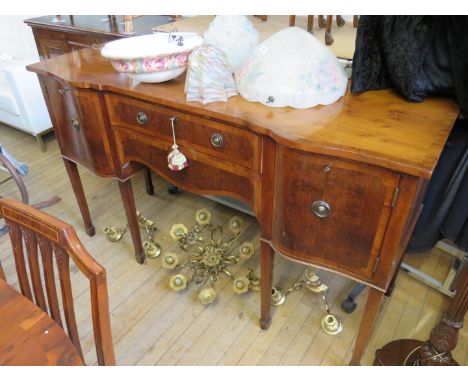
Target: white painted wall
(16, 38)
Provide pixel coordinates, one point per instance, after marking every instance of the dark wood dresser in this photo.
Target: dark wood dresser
(76, 32)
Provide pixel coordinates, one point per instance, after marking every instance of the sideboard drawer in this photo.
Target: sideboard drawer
(225, 142)
(332, 212)
(202, 174)
(79, 125)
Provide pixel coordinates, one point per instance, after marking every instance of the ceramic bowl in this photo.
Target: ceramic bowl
(152, 58)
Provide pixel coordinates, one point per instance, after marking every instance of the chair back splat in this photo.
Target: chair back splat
(46, 238)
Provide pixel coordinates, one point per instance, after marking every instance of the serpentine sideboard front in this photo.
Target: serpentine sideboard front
(339, 187)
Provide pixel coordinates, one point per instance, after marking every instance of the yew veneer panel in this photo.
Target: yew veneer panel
(203, 175)
(79, 123)
(237, 146)
(359, 201)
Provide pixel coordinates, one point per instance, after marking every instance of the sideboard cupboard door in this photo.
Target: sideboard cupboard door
(79, 124)
(331, 212)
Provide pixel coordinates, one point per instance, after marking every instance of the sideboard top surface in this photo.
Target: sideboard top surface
(377, 127)
(99, 25)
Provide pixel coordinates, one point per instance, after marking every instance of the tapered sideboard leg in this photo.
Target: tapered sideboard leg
(128, 200)
(267, 264)
(365, 329)
(148, 181)
(77, 186)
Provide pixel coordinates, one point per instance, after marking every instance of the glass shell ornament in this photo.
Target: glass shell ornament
(209, 77)
(235, 36)
(292, 68)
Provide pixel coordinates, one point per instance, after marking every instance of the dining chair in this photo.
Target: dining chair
(322, 23)
(46, 238)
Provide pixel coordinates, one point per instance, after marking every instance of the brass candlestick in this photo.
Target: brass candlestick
(151, 248)
(331, 323)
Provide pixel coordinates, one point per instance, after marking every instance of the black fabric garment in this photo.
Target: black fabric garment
(416, 55)
(419, 56)
(445, 212)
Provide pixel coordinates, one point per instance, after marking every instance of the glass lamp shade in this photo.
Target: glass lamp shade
(235, 36)
(209, 77)
(292, 68)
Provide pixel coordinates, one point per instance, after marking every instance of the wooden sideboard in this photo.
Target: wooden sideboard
(338, 187)
(76, 32)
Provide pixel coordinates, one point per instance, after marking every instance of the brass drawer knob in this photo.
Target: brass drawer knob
(142, 119)
(217, 140)
(75, 123)
(321, 209)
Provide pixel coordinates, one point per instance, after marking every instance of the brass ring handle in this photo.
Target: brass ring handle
(217, 140)
(321, 209)
(75, 123)
(142, 118)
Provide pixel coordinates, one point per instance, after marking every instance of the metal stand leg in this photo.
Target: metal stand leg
(349, 305)
(148, 181)
(40, 142)
(173, 190)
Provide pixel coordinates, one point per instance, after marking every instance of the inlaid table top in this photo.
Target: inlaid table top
(28, 336)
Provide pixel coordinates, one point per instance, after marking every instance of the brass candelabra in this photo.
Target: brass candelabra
(209, 255)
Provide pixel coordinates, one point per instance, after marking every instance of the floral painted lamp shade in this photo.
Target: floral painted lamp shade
(292, 68)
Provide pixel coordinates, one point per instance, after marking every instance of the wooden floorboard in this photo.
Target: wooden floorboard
(152, 325)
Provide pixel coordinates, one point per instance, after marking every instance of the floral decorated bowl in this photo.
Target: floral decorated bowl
(152, 58)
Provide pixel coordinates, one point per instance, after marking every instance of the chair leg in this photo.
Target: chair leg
(321, 21)
(328, 34)
(340, 21)
(16, 177)
(310, 24)
(355, 21)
